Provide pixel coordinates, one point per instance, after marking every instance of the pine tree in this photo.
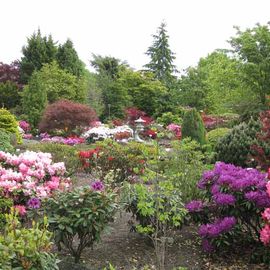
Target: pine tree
(68, 59)
(193, 126)
(161, 63)
(38, 51)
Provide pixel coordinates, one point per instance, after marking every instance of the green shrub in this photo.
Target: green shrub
(235, 147)
(185, 167)
(5, 144)
(5, 205)
(26, 248)
(60, 153)
(215, 135)
(77, 218)
(193, 126)
(9, 124)
(167, 118)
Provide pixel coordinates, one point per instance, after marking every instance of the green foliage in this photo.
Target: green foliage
(5, 140)
(235, 146)
(252, 47)
(26, 248)
(60, 153)
(156, 205)
(94, 93)
(78, 217)
(5, 206)
(146, 93)
(167, 118)
(38, 51)
(59, 83)
(9, 124)
(190, 89)
(215, 135)
(9, 95)
(68, 59)
(34, 99)
(215, 85)
(184, 167)
(193, 126)
(161, 57)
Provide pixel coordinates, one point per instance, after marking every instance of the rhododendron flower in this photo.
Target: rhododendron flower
(195, 206)
(265, 234)
(34, 203)
(97, 185)
(20, 209)
(266, 214)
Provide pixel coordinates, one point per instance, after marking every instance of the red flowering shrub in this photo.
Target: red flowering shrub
(66, 115)
(122, 135)
(262, 149)
(211, 121)
(123, 162)
(150, 133)
(117, 122)
(133, 114)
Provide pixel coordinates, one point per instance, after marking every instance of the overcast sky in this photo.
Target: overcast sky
(123, 28)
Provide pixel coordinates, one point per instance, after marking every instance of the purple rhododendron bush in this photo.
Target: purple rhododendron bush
(230, 213)
(30, 177)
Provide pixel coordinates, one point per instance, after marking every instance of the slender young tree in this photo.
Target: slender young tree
(161, 57)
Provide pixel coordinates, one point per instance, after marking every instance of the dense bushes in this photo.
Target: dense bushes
(193, 126)
(215, 135)
(235, 147)
(66, 115)
(121, 162)
(184, 167)
(9, 124)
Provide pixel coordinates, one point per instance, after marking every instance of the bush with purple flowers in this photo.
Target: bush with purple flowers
(233, 200)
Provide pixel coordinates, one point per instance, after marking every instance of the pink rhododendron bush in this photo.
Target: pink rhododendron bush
(265, 232)
(30, 177)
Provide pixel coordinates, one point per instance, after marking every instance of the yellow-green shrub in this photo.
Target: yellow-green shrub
(9, 123)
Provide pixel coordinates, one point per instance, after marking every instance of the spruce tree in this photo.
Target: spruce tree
(193, 126)
(161, 57)
(38, 51)
(68, 59)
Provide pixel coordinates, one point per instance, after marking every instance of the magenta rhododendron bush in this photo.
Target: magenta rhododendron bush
(30, 177)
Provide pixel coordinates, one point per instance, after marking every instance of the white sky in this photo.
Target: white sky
(123, 28)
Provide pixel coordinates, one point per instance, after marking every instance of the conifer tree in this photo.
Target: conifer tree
(38, 51)
(193, 126)
(68, 59)
(161, 57)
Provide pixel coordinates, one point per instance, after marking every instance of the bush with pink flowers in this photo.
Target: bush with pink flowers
(30, 176)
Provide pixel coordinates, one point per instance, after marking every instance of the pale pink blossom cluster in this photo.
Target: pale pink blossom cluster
(265, 232)
(176, 129)
(29, 175)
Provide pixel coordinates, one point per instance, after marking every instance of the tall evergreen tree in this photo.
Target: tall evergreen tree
(68, 59)
(38, 51)
(161, 57)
